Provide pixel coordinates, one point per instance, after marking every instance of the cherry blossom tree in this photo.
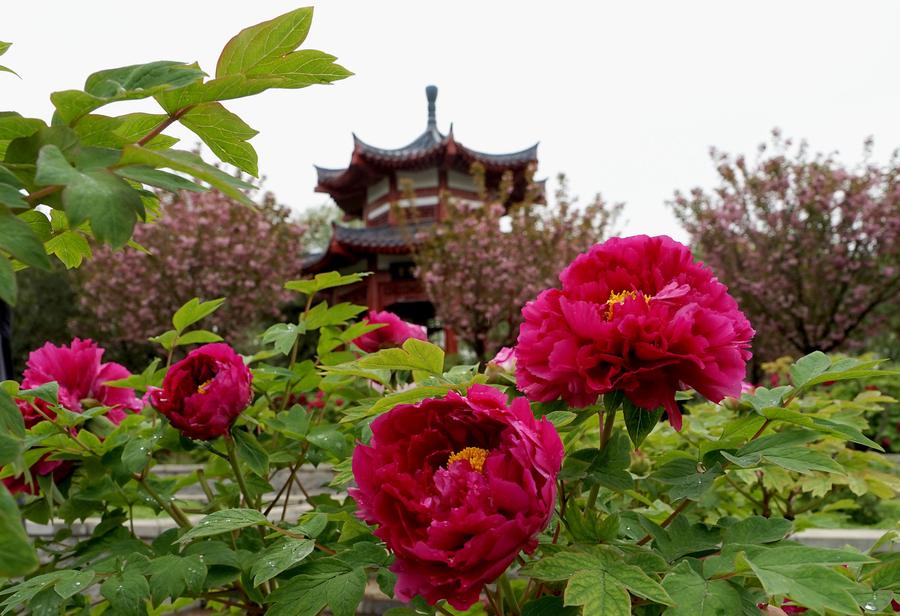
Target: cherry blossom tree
(808, 245)
(481, 265)
(204, 245)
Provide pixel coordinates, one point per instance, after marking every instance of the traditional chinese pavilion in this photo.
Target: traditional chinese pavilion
(378, 181)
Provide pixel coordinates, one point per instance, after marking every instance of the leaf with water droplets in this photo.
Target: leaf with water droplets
(223, 522)
(280, 557)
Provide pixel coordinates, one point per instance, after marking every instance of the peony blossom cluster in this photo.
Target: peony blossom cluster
(393, 333)
(636, 315)
(205, 392)
(458, 486)
(81, 377)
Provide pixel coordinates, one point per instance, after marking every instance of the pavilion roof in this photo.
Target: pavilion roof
(349, 244)
(432, 148)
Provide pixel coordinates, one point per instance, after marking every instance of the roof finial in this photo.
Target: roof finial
(431, 95)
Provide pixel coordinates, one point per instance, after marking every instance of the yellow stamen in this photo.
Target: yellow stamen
(204, 386)
(619, 297)
(474, 455)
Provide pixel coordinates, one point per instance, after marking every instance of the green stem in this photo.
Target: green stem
(293, 360)
(607, 428)
(236, 469)
(508, 595)
(169, 507)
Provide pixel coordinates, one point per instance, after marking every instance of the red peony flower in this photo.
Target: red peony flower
(458, 486)
(639, 315)
(81, 376)
(394, 333)
(204, 393)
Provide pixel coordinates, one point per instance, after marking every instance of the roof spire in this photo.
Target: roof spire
(431, 95)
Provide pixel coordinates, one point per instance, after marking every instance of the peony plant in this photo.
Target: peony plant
(317, 473)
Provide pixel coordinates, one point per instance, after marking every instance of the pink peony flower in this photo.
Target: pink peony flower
(81, 376)
(504, 360)
(394, 333)
(458, 486)
(204, 393)
(639, 315)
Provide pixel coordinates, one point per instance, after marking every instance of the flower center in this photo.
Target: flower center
(204, 386)
(619, 297)
(474, 455)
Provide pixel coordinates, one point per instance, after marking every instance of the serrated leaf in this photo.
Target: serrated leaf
(695, 596)
(757, 529)
(282, 336)
(225, 134)
(171, 576)
(126, 593)
(193, 311)
(413, 355)
(686, 479)
(77, 582)
(327, 582)
(599, 593)
(279, 558)
(222, 522)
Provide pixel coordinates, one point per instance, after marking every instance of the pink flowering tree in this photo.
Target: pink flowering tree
(809, 246)
(481, 265)
(203, 245)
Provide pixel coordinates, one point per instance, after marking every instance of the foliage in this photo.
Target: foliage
(202, 245)
(482, 264)
(651, 531)
(317, 226)
(93, 170)
(808, 246)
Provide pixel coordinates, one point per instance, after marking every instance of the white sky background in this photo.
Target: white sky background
(625, 97)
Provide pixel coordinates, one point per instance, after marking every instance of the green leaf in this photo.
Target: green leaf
(76, 582)
(13, 126)
(639, 422)
(193, 311)
(198, 336)
(8, 290)
(413, 355)
(598, 560)
(11, 421)
(799, 572)
(11, 197)
(70, 247)
(190, 163)
(251, 453)
(266, 41)
(686, 479)
(137, 453)
(757, 529)
(19, 557)
(4, 47)
(408, 396)
(682, 538)
(108, 202)
(322, 316)
(280, 557)
(282, 336)
(328, 439)
(327, 582)
(599, 593)
(125, 83)
(762, 398)
(53, 168)
(545, 606)
(17, 238)
(171, 576)
(324, 281)
(225, 134)
(606, 467)
(222, 522)
(695, 596)
(810, 366)
(126, 593)
(160, 179)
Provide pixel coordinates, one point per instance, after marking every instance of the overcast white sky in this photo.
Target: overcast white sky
(625, 97)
